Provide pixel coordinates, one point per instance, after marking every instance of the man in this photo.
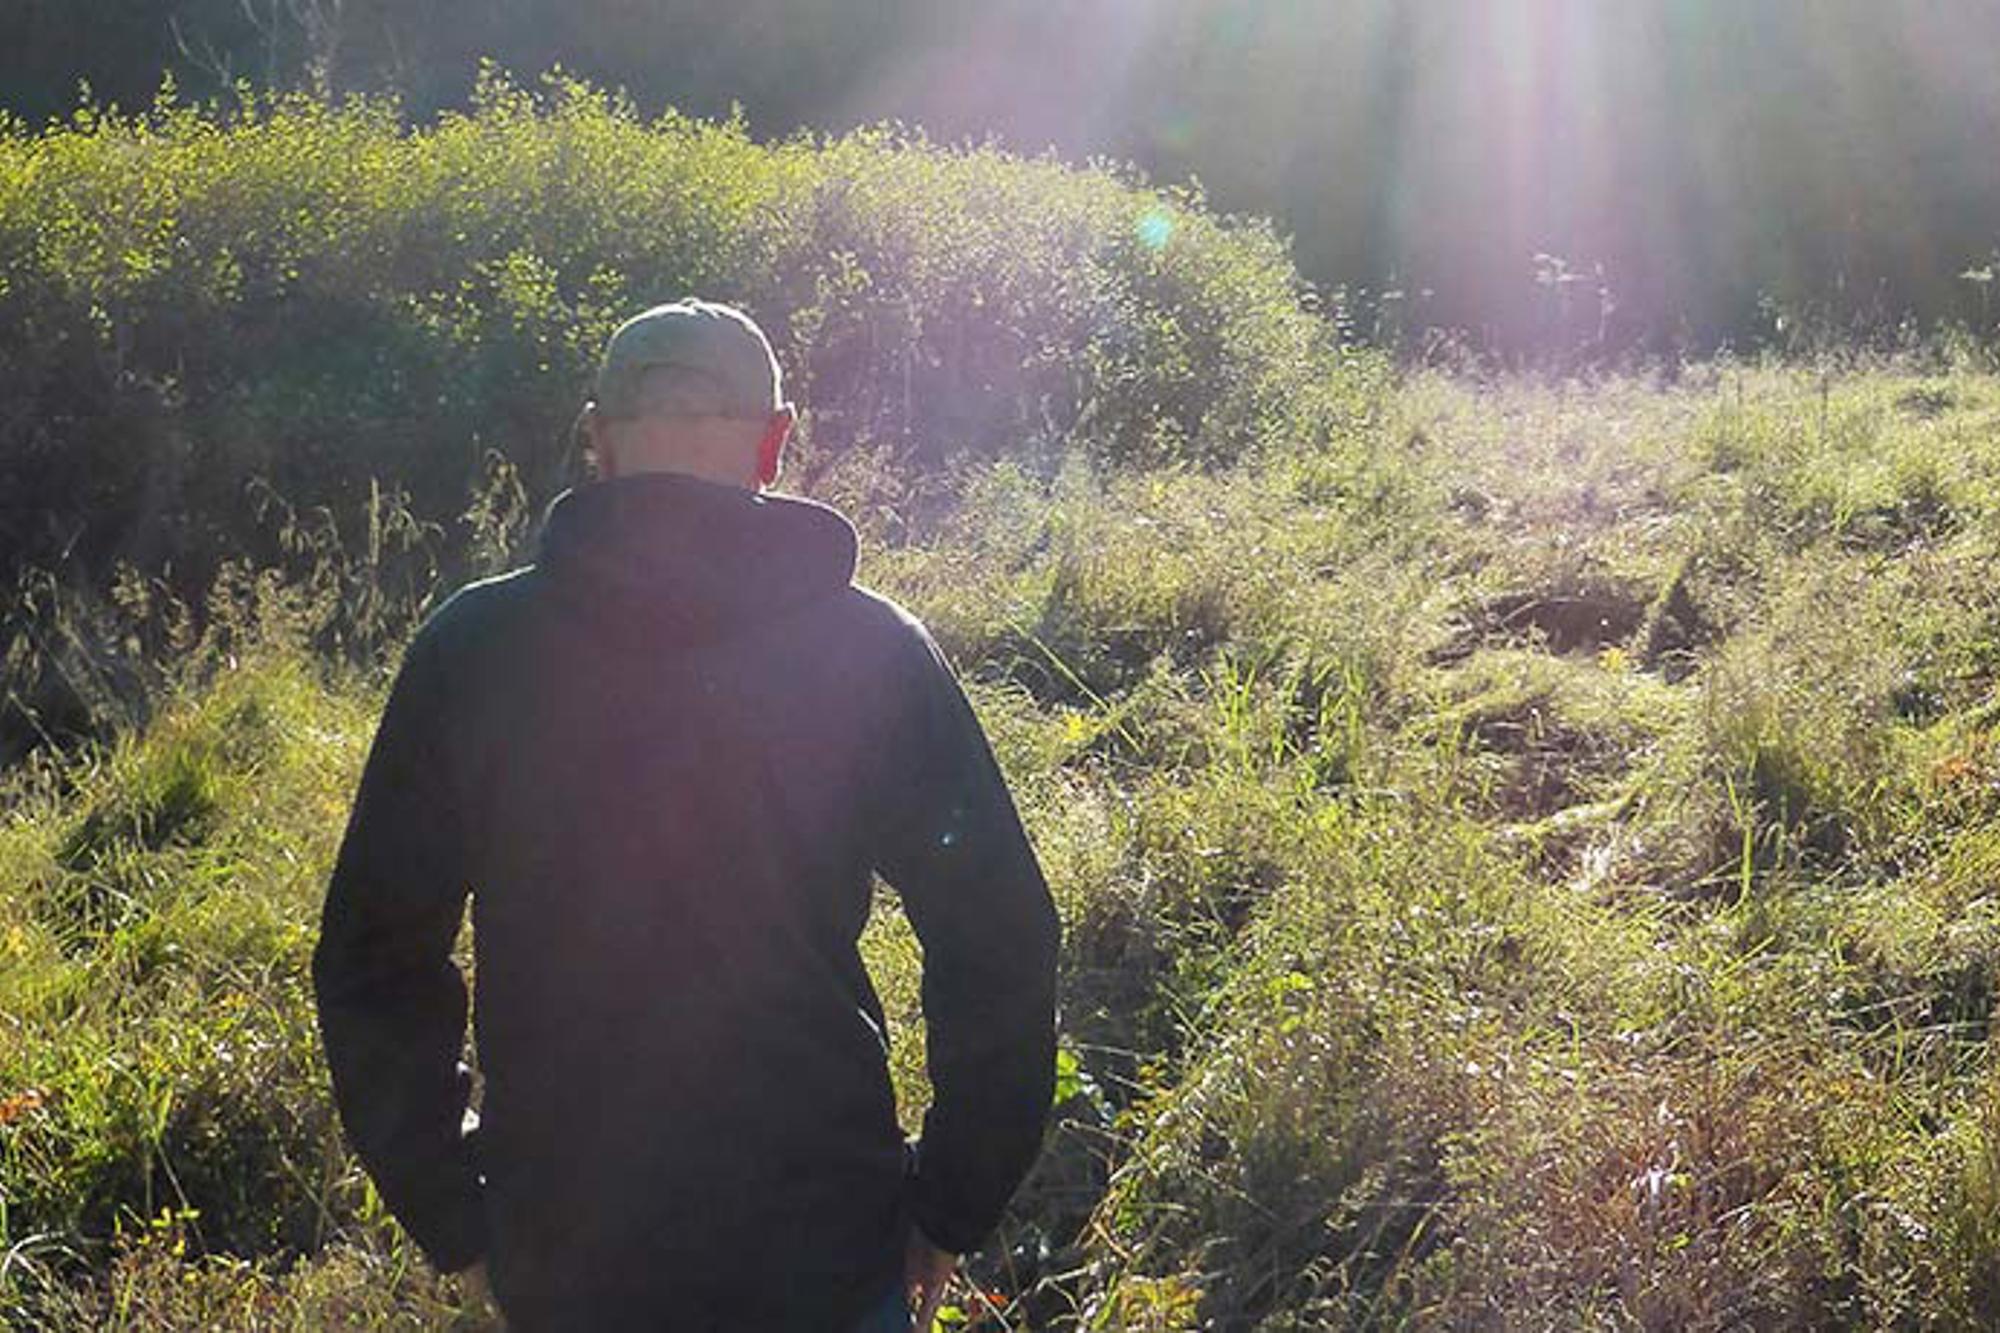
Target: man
(665, 761)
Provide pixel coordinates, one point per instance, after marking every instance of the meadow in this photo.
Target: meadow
(1525, 845)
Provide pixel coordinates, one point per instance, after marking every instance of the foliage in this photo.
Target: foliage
(1425, 963)
(269, 331)
(312, 294)
(1554, 183)
(1525, 849)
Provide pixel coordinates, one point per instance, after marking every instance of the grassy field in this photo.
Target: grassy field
(1528, 860)
(1525, 845)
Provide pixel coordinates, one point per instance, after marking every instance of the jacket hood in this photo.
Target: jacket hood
(672, 547)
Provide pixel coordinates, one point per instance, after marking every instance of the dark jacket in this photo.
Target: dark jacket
(665, 762)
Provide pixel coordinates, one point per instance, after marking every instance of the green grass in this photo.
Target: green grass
(1526, 861)
(1526, 848)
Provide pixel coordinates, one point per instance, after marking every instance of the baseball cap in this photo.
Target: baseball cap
(719, 343)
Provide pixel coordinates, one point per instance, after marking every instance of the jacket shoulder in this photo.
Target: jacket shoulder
(888, 628)
(882, 614)
(479, 611)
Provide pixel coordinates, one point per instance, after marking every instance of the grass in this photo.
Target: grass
(1526, 861)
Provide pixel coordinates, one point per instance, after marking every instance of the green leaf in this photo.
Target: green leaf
(1069, 1075)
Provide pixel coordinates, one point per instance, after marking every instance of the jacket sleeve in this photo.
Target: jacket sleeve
(953, 847)
(392, 1004)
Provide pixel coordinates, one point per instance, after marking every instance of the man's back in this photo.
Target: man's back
(667, 760)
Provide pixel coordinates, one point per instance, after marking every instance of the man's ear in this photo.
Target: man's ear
(771, 448)
(599, 462)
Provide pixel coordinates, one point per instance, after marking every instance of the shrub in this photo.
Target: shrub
(316, 296)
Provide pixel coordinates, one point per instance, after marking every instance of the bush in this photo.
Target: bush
(317, 296)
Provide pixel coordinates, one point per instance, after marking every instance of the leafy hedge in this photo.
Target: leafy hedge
(316, 297)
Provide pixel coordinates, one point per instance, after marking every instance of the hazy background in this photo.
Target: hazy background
(1704, 170)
